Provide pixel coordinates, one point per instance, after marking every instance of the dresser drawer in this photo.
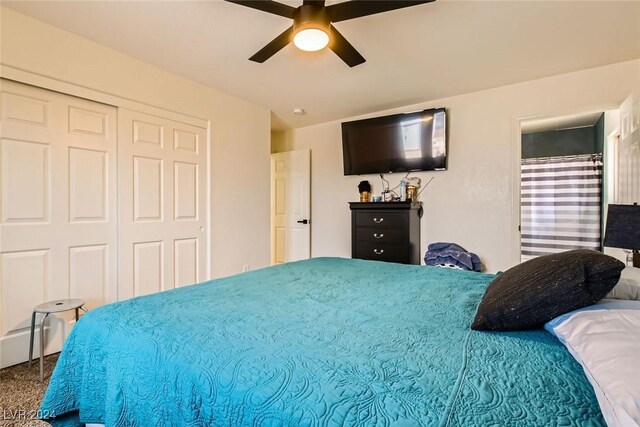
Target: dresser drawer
(381, 219)
(381, 252)
(381, 235)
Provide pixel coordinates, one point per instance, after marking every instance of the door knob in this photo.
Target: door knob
(303, 221)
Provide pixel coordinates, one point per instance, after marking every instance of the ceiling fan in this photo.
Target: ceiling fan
(312, 27)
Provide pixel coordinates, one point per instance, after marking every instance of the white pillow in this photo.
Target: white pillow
(605, 339)
(628, 286)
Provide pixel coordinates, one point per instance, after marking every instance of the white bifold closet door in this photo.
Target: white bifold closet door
(58, 230)
(162, 204)
(98, 203)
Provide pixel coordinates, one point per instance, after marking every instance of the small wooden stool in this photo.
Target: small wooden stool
(48, 308)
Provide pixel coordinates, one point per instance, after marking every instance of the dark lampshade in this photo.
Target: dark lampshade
(623, 227)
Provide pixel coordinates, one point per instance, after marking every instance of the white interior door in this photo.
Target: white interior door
(58, 210)
(162, 189)
(290, 206)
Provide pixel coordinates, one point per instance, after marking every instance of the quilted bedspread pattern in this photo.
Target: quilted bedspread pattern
(322, 342)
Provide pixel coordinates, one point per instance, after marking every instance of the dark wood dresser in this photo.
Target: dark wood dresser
(386, 231)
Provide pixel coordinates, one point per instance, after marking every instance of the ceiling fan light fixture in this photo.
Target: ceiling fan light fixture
(313, 29)
(311, 39)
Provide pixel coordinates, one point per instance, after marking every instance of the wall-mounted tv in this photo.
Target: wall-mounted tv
(398, 143)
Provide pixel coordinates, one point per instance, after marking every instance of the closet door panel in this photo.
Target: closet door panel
(162, 204)
(58, 214)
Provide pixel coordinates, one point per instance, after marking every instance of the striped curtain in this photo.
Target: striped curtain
(561, 199)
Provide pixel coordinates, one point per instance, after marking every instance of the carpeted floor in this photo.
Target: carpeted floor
(21, 393)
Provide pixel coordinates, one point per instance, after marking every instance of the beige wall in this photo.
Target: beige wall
(240, 131)
(473, 202)
(281, 141)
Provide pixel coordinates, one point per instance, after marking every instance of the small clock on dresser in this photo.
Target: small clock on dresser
(386, 231)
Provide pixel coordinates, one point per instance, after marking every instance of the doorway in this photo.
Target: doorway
(561, 185)
(290, 206)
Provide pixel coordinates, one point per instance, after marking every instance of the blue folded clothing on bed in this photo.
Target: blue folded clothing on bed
(322, 342)
(443, 253)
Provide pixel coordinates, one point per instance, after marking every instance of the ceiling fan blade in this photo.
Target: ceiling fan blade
(273, 46)
(313, 2)
(357, 8)
(267, 6)
(344, 49)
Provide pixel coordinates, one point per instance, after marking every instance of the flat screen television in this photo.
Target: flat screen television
(397, 143)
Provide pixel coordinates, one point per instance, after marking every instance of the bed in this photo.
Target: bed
(321, 342)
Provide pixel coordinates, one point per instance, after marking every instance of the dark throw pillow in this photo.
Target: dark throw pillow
(536, 291)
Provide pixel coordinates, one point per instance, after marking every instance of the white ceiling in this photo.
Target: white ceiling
(561, 122)
(416, 54)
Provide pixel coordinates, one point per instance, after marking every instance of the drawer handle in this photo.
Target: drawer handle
(378, 220)
(378, 251)
(378, 236)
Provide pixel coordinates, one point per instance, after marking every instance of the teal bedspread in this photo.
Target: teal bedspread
(323, 342)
